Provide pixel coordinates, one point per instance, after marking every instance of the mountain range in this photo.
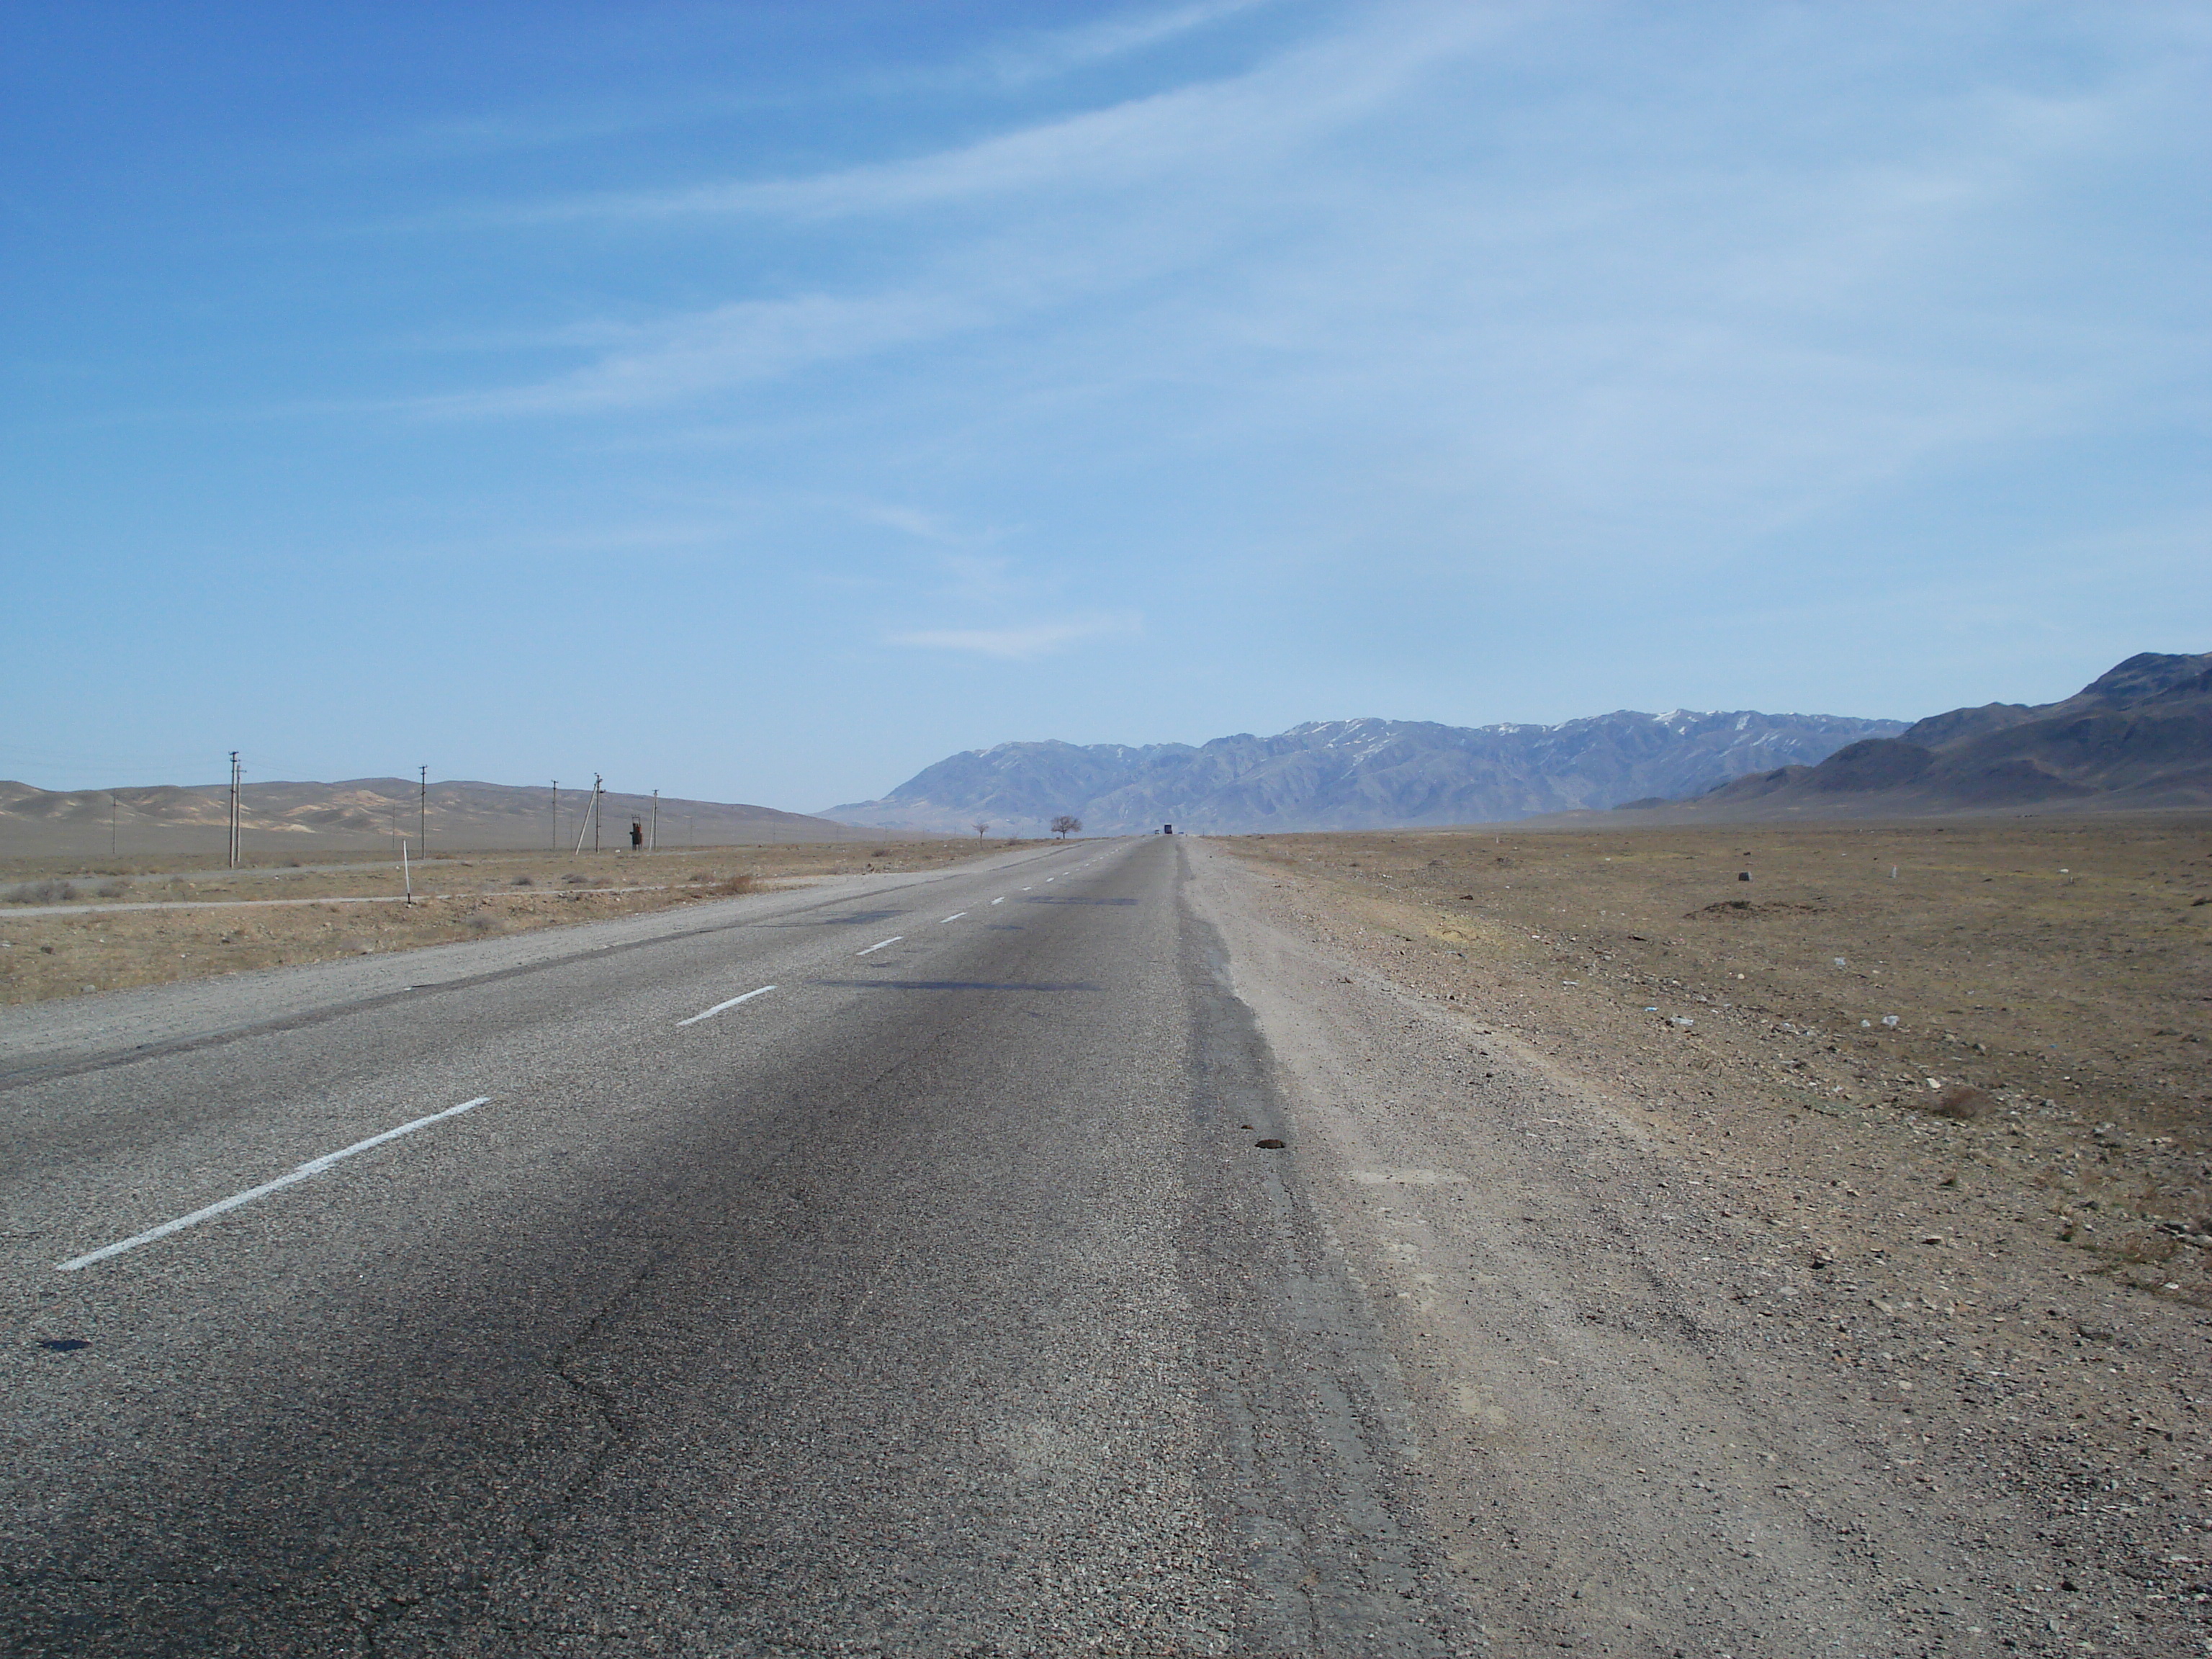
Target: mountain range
(1357, 774)
(2137, 737)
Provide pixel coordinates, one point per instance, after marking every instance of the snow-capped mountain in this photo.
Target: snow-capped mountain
(1357, 774)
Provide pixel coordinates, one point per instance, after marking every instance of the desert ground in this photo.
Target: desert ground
(68, 927)
(1906, 1135)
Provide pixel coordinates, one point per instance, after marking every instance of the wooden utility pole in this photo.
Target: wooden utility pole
(557, 817)
(653, 835)
(422, 809)
(232, 856)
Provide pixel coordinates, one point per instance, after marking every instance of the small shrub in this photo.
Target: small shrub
(571, 879)
(113, 887)
(1964, 1101)
(522, 881)
(39, 892)
(481, 922)
(729, 886)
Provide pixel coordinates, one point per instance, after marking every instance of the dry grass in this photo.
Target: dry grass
(110, 947)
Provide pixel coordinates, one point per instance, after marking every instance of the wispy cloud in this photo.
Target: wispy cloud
(1291, 99)
(1020, 643)
(735, 344)
(1606, 321)
(944, 529)
(1177, 158)
(1058, 51)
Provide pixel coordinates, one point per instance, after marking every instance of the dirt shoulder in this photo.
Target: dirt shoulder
(1719, 1341)
(223, 922)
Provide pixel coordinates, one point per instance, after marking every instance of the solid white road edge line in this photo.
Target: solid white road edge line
(879, 945)
(1001, 899)
(732, 1003)
(955, 916)
(312, 1166)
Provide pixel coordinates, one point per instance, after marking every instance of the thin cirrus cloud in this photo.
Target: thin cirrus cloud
(1295, 99)
(735, 344)
(1637, 326)
(1020, 643)
(1061, 50)
(1182, 155)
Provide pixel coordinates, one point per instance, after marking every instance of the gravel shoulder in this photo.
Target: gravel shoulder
(1693, 1374)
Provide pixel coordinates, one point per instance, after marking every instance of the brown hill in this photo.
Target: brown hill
(307, 821)
(2137, 738)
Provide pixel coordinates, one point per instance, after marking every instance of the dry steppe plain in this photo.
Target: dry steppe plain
(1935, 1100)
(129, 925)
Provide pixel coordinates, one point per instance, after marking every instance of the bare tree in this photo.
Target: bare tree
(1066, 825)
(980, 827)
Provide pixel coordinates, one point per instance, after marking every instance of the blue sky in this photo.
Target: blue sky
(761, 401)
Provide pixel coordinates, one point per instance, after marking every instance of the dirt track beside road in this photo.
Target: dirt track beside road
(1720, 1340)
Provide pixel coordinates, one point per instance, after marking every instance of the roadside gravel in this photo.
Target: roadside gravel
(1692, 1376)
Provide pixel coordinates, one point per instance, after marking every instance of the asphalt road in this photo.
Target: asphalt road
(936, 1300)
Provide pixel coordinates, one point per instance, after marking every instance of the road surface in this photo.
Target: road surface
(886, 1270)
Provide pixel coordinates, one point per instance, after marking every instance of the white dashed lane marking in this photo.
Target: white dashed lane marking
(732, 1003)
(312, 1166)
(316, 1166)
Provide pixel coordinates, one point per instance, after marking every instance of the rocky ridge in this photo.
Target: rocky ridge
(1356, 773)
(2138, 735)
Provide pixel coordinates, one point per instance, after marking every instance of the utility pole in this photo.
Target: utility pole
(232, 856)
(111, 823)
(653, 835)
(421, 808)
(557, 817)
(591, 824)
